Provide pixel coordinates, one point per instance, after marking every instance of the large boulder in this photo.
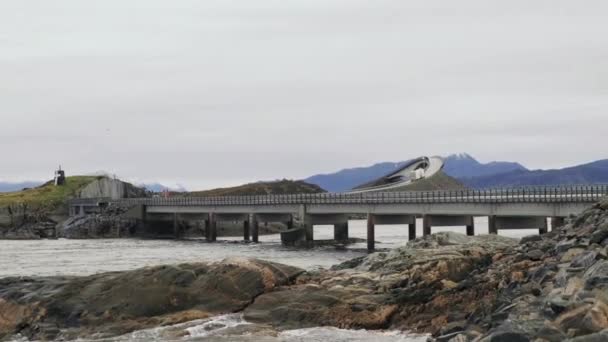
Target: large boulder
(111, 304)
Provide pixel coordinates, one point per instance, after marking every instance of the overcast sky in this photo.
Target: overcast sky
(213, 93)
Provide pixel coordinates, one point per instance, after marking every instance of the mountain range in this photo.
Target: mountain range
(461, 166)
(472, 173)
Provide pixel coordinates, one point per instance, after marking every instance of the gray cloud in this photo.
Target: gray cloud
(210, 93)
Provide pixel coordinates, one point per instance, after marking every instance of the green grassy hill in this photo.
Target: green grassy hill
(47, 195)
(262, 188)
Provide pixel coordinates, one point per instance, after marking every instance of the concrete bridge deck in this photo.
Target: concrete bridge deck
(509, 208)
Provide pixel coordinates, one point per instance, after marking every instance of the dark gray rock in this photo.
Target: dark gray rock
(564, 246)
(600, 234)
(535, 254)
(584, 260)
(596, 275)
(530, 238)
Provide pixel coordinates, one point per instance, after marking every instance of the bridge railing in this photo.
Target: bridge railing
(529, 194)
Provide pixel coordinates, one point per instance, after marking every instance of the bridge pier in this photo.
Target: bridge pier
(430, 221)
(255, 230)
(371, 232)
(211, 228)
(176, 230)
(246, 236)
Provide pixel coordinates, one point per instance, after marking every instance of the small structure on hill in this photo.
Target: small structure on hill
(59, 177)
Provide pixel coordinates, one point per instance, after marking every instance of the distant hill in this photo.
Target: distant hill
(262, 188)
(10, 187)
(462, 165)
(458, 166)
(47, 195)
(591, 173)
(472, 173)
(349, 178)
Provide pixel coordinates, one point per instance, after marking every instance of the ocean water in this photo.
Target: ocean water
(83, 257)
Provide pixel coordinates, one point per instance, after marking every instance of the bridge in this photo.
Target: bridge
(508, 208)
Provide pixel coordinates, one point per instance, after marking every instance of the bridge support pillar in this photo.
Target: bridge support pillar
(308, 227)
(412, 230)
(492, 228)
(255, 230)
(211, 228)
(246, 236)
(471, 229)
(290, 222)
(426, 225)
(371, 232)
(557, 222)
(341, 231)
(176, 231)
(544, 228)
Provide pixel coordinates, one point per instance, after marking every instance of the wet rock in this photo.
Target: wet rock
(119, 302)
(530, 238)
(563, 246)
(584, 260)
(600, 234)
(535, 254)
(597, 275)
(97, 226)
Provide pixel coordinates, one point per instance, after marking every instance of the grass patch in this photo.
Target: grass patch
(47, 195)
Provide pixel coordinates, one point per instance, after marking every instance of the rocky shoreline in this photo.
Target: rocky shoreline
(552, 287)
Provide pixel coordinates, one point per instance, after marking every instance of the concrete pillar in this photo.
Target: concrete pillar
(290, 223)
(557, 222)
(426, 225)
(544, 227)
(412, 231)
(175, 226)
(492, 229)
(211, 228)
(341, 231)
(471, 229)
(246, 230)
(255, 230)
(81, 211)
(308, 227)
(207, 230)
(371, 232)
(143, 224)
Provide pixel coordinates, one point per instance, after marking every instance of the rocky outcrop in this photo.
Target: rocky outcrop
(23, 222)
(394, 289)
(97, 226)
(552, 287)
(111, 304)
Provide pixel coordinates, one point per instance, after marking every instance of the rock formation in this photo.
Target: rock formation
(111, 304)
